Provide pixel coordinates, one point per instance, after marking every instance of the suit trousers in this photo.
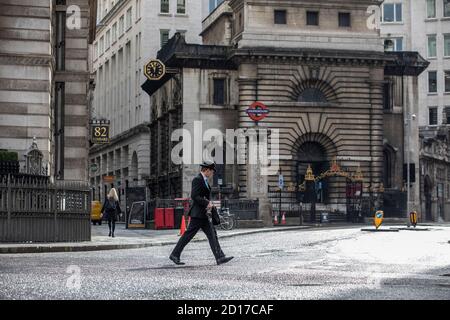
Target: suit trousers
(194, 226)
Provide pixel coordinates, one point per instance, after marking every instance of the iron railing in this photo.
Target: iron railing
(32, 209)
(243, 209)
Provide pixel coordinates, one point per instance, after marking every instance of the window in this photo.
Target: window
(447, 45)
(446, 8)
(446, 116)
(312, 18)
(214, 4)
(164, 6)
(108, 40)
(447, 81)
(138, 10)
(121, 25)
(432, 81)
(279, 16)
(129, 19)
(432, 46)
(114, 33)
(95, 51)
(219, 92)
(312, 95)
(140, 45)
(393, 44)
(344, 19)
(182, 33)
(102, 45)
(398, 44)
(392, 12)
(164, 35)
(431, 9)
(387, 96)
(181, 6)
(432, 116)
(136, 51)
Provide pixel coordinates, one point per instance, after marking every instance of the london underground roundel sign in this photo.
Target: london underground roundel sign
(257, 111)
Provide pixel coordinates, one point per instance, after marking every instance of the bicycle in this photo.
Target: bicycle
(227, 220)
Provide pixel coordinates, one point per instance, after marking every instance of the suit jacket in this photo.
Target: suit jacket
(198, 194)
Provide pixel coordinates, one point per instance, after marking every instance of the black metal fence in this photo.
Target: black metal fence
(243, 209)
(34, 210)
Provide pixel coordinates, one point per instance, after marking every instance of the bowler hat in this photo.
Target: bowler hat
(209, 165)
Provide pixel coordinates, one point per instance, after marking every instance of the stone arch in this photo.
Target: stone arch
(320, 138)
(316, 150)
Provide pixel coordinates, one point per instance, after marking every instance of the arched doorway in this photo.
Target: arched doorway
(313, 154)
(428, 188)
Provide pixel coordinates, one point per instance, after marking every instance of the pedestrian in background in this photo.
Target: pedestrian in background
(201, 195)
(111, 207)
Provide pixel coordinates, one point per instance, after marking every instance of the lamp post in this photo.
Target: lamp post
(311, 192)
(408, 121)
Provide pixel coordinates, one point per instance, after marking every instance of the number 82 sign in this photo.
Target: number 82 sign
(100, 132)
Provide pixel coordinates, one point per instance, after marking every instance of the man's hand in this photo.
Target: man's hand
(210, 205)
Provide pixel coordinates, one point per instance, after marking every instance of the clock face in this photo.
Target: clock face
(155, 70)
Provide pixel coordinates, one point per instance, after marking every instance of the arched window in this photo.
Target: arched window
(388, 166)
(312, 95)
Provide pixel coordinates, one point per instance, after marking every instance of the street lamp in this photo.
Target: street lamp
(311, 192)
(408, 121)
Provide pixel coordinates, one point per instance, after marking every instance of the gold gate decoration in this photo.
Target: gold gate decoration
(334, 171)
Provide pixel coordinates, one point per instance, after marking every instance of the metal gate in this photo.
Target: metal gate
(354, 191)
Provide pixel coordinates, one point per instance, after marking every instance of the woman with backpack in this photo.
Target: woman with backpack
(112, 207)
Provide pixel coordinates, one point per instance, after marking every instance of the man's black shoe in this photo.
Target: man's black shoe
(223, 260)
(176, 260)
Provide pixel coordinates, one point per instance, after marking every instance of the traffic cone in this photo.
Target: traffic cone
(183, 226)
(275, 221)
(283, 219)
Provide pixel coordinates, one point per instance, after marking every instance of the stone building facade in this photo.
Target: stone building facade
(423, 26)
(435, 173)
(44, 81)
(320, 71)
(129, 34)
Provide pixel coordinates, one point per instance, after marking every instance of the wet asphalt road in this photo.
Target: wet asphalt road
(343, 263)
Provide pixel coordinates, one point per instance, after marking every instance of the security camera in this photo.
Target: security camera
(413, 116)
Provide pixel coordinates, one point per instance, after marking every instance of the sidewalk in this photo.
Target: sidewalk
(128, 239)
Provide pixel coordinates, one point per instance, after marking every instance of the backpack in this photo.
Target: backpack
(110, 205)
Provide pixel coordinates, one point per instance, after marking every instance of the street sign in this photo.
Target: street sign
(378, 220)
(257, 111)
(220, 182)
(137, 217)
(154, 69)
(100, 131)
(109, 179)
(281, 181)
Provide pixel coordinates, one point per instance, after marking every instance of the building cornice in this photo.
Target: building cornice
(110, 15)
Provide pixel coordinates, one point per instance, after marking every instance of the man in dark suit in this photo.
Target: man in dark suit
(201, 194)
